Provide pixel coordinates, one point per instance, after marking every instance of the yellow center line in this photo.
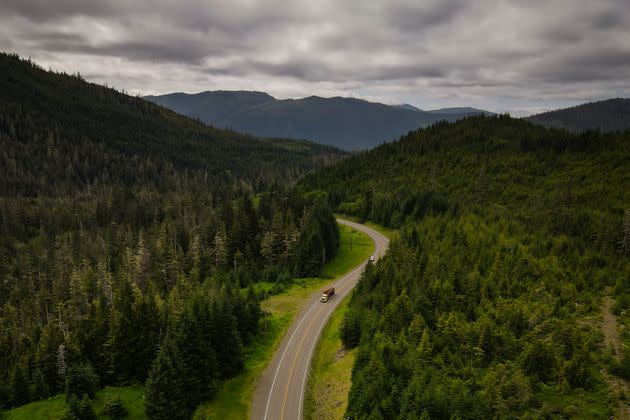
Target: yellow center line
(286, 392)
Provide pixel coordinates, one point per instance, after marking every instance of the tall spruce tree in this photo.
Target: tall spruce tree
(164, 390)
(192, 335)
(226, 341)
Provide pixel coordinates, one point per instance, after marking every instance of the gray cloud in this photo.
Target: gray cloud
(421, 16)
(149, 49)
(502, 55)
(608, 19)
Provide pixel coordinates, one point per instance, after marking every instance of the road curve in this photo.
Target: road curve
(280, 390)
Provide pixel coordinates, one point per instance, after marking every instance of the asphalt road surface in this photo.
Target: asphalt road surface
(280, 391)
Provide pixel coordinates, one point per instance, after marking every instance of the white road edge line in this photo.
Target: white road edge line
(275, 376)
(310, 354)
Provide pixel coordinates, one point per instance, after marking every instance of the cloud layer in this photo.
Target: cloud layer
(502, 55)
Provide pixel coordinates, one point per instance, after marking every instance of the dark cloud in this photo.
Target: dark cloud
(311, 70)
(559, 36)
(597, 65)
(42, 10)
(151, 51)
(308, 70)
(608, 19)
(53, 39)
(500, 55)
(420, 16)
(130, 50)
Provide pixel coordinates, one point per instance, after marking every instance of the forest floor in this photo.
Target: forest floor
(612, 340)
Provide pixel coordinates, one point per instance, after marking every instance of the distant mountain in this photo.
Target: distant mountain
(212, 107)
(458, 111)
(466, 111)
(608, 115)
(114, 124)
(346, 123)
(408, 107)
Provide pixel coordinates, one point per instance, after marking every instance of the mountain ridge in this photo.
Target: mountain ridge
(126, 124)
(344, 122)
(606, 115)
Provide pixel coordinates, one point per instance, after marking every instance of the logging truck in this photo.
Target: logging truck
(327, 294)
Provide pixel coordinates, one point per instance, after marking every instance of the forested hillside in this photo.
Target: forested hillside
(130, 238)
(608, 115)
(487, 304)
(86, 112)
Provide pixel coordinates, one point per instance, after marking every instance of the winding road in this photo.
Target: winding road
(280, 391)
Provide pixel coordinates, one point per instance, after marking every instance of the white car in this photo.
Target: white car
(372, 258)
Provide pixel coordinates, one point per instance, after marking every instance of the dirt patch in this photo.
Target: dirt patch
(612, 340)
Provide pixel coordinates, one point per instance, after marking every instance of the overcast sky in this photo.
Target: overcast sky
(518, 56)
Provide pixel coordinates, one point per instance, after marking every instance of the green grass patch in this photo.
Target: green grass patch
(389, 233)
(577, 404)
(329, 384)
(55, 407)
(131, 396)
(50, 408)
(234, 398)
(331, 377)
(355, 247)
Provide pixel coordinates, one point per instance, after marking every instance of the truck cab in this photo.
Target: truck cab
(327, 294)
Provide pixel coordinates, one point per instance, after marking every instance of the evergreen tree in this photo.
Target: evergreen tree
(104, 223)
(81, 380)
(147, 322)
(164, 390)
(18, 386)
(350, 329)
(122, 340)
(192, 336)
(39, 389)
(226, 342)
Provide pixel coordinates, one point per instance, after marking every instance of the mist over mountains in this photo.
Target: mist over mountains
(347, 123)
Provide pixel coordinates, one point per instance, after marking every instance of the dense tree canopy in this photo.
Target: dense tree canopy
(607, 115)
(486, 305)
(127, 230)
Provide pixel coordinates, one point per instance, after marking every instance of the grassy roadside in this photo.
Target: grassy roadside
(331, 373)
(234, 398)
(331, 367)
(55, 407)
(389, 233)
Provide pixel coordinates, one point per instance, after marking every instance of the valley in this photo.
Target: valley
(335, 210)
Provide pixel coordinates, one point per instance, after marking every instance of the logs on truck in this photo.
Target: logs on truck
(327, 294)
